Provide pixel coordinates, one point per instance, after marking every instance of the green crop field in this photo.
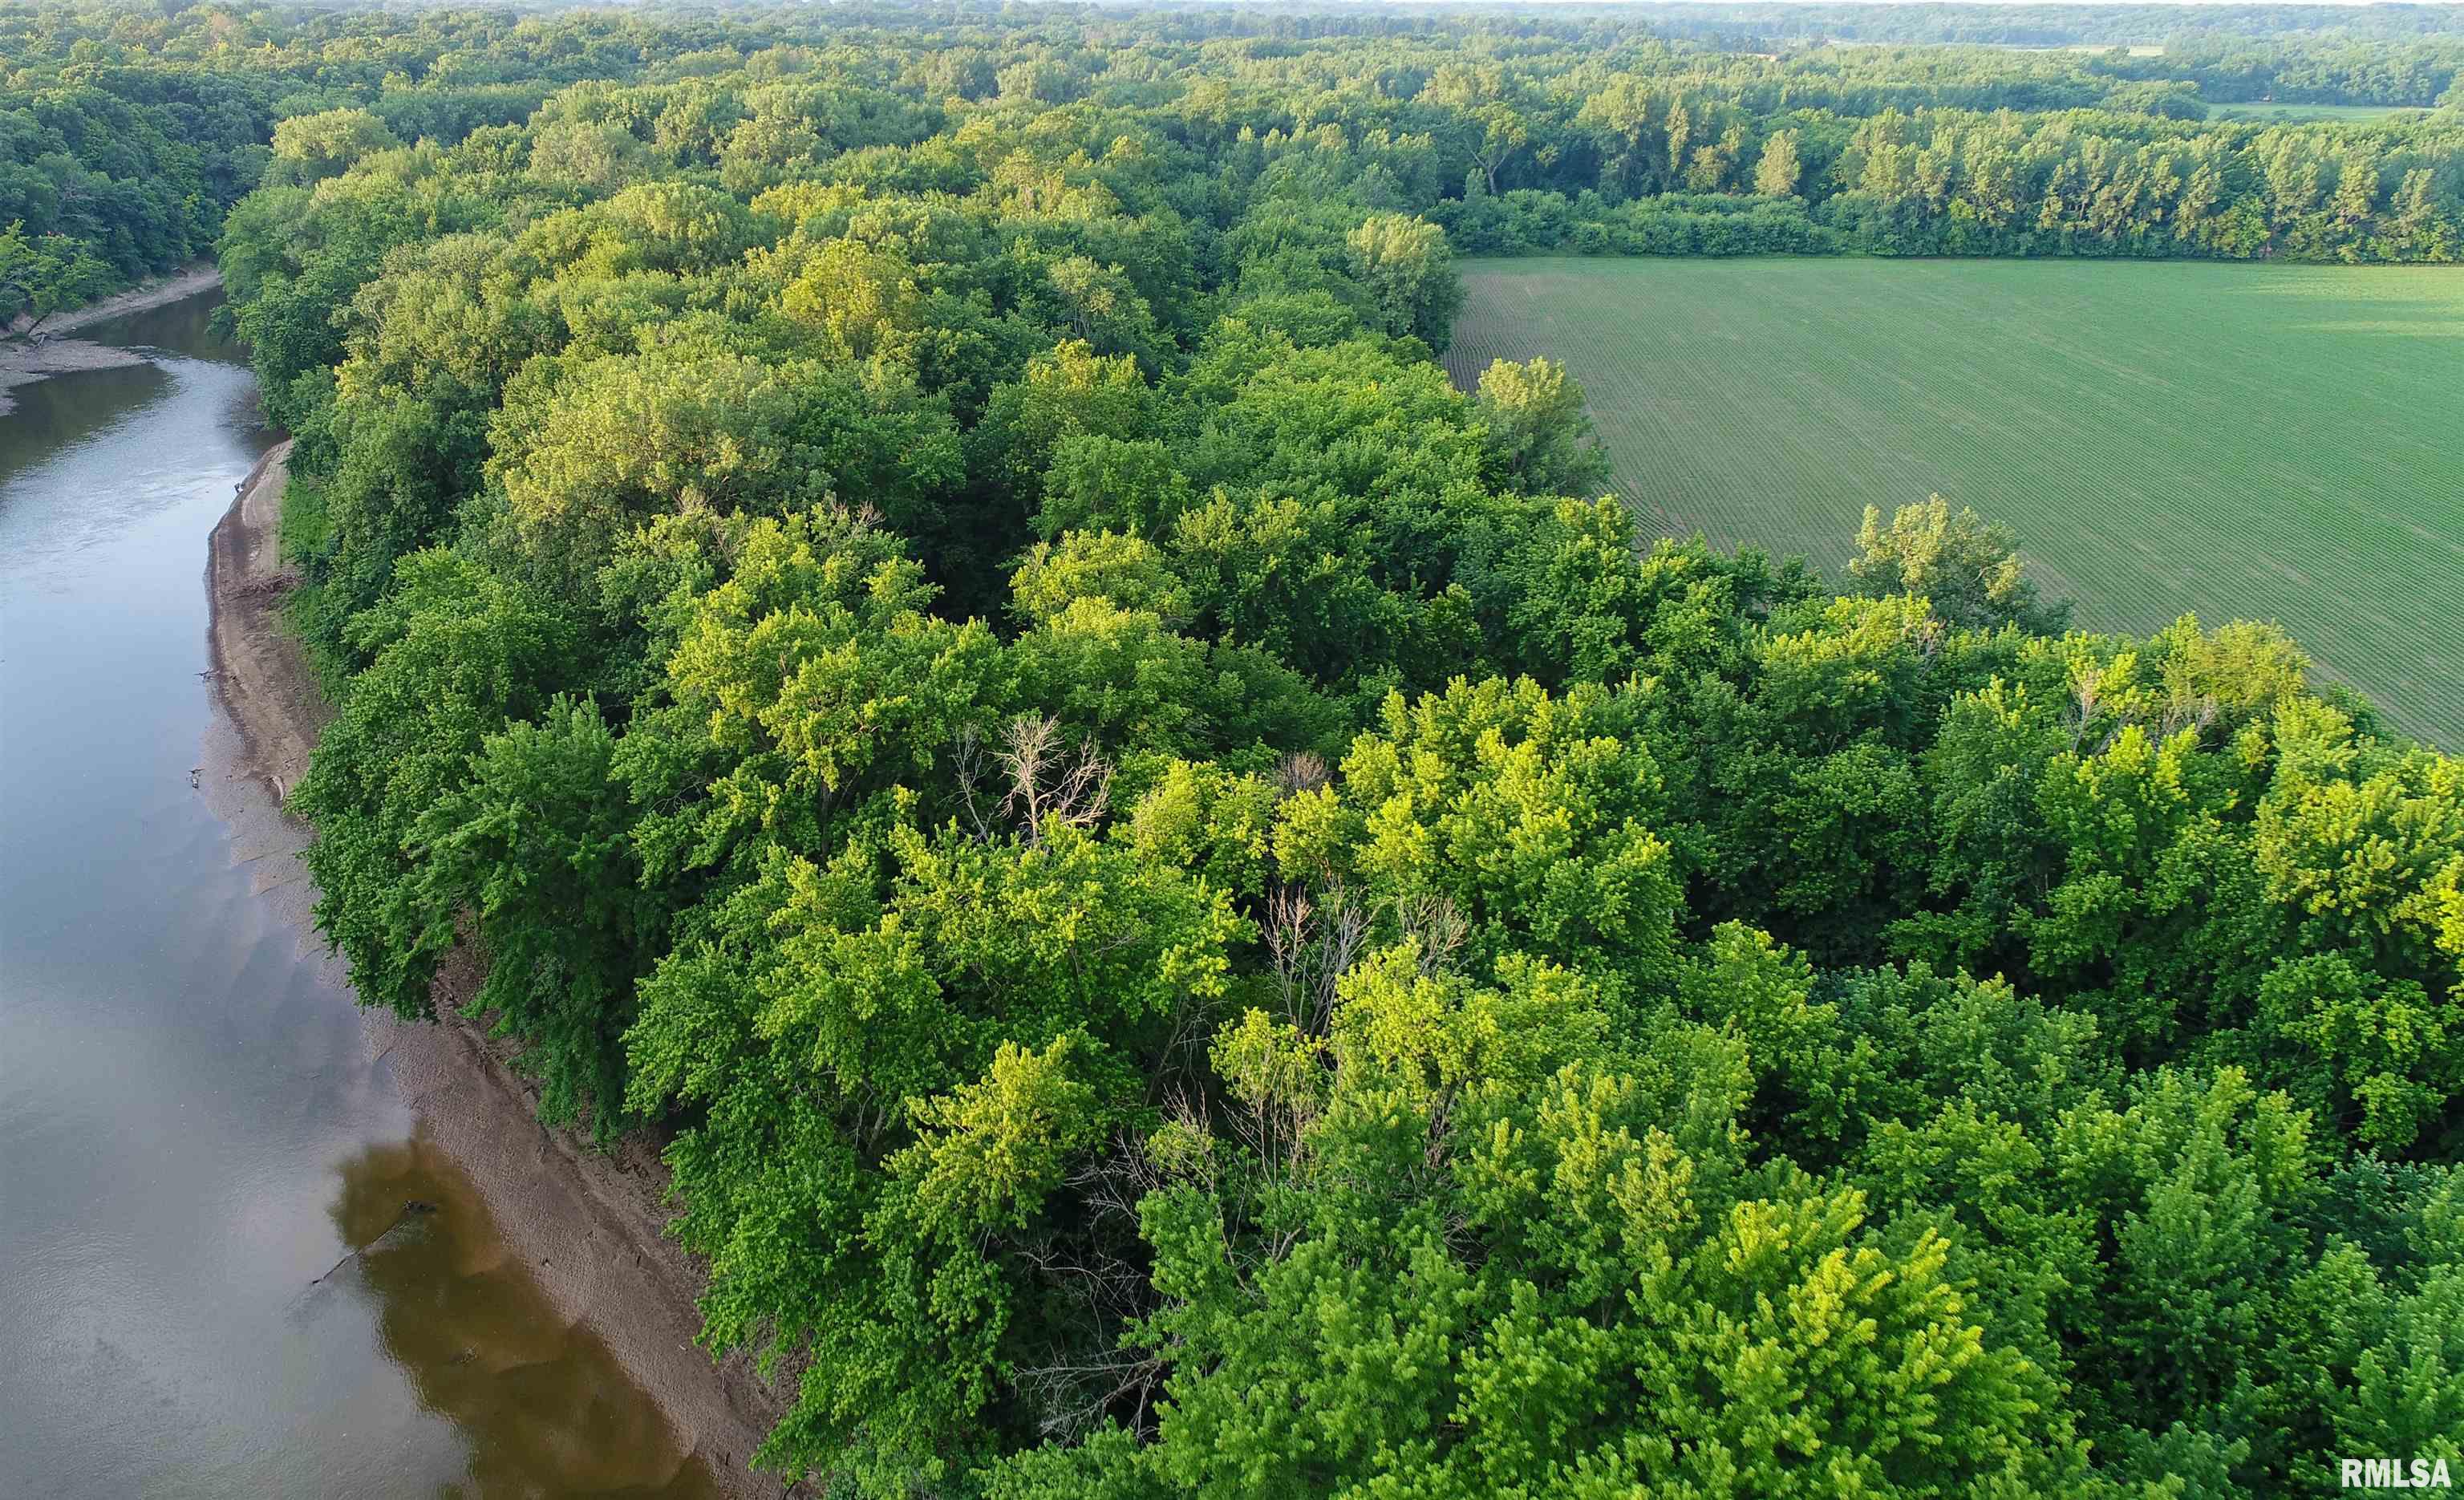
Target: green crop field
(2254, 442)
(2333, 113)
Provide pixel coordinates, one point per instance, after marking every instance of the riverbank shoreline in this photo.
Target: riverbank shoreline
(22, 364)
(589, 1225)
(25, 365)
(198, 275)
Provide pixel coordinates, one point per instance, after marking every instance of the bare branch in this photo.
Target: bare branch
(1437, 926)
(1049, 780)
(1310, 946)
(1301, 771)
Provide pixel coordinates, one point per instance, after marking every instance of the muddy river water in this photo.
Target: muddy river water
(230, 1265)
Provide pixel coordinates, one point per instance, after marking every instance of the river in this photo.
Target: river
(230, 1263)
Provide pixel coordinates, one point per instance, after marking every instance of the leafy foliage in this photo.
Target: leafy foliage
(1198, 914)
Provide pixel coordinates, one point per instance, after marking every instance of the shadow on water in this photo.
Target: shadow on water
(482, 1346)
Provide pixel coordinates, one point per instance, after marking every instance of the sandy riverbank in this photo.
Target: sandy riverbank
(22, 362)
(23, 365)
(187, 281)
(589, 1225)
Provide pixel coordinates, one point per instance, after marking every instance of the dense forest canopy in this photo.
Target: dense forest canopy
(126, 132)
(1197, 914)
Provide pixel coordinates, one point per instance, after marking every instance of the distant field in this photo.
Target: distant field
(2293, 114)
(2255, 442)
(2134, 49)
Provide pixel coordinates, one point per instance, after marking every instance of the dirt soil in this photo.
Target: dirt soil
(590, 1225)
(186, 282)
(22, 362)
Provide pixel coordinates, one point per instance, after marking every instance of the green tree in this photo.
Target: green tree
(588, 448)
(1777, 173)
(537, 846)
(1540, 429)
(1465, 1252)
(453, 653)
(1969, 570)
(1408, 269)
(40, 277)
(309, 148)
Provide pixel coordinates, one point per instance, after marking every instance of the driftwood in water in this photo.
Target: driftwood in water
(411, 1208)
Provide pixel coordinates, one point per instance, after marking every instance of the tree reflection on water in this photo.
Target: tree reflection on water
(543, 1404)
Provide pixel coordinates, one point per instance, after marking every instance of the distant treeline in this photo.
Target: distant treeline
(2056, 25)
(2229, 69)
(1965, 183)
(126, 133)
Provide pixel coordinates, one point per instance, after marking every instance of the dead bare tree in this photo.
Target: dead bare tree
(2187, 705)
(1050, 780)
(1077, 1387)
(2087, 687)
(1309, 945)
(1301, 771)
(1436, 926)
(1041, 776)
(970, 763)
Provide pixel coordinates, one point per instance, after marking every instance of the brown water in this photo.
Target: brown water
(210, 1284)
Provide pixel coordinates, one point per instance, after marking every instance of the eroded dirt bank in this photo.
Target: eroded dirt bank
(588, 1225)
